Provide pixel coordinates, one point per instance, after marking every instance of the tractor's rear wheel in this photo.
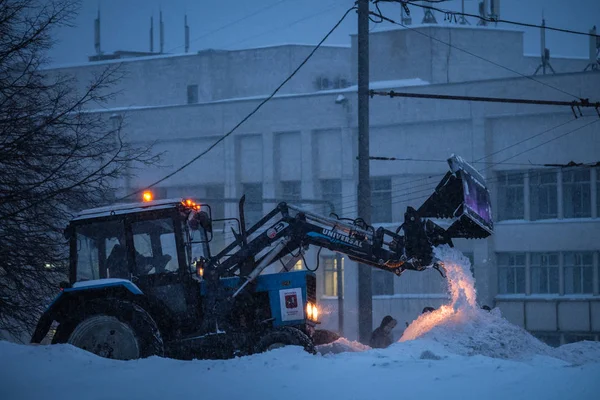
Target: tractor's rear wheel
(284, 336)
(118, 330)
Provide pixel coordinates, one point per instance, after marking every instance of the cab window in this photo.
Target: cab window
(155, 247)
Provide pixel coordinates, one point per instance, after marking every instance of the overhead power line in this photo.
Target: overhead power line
(384, 18)
(451, 15)
(247, 117)
(557, 165)
(227, 25)
(573, 104)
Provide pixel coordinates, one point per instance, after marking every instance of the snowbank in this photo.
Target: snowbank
(456, 352)
(418, 369)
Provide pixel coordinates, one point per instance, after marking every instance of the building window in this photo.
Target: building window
(543, 198)
(290, 190)
(192, 94)
(469, 255)
(382, 282)
(576, 193)
(511, 273)
(550, 338)
(575, 337)
(381, 200)
(598, 192)
(544, 273)
(298, 266)
(510, 196)
(331, 190)
(330, 268)
(579, 272)
(253, 207)
(216, 193)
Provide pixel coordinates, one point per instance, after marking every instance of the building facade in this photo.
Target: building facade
(541, 266)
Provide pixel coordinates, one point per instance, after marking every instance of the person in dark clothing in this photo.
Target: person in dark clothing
(427, 309)
(382, 336)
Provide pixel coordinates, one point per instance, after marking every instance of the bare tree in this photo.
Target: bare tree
(55, 157)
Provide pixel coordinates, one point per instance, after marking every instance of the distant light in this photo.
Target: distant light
(147, 196)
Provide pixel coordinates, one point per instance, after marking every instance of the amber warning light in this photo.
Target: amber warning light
(147, 196)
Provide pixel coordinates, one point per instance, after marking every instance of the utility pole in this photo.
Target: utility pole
(365, 298)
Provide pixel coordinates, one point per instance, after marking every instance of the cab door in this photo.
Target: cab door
(160, 269)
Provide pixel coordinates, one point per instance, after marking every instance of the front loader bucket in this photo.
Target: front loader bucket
(463, 196)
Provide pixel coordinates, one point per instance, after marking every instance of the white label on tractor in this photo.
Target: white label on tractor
(292, 306)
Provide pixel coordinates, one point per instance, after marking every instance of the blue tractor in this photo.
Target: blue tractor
(143, 281)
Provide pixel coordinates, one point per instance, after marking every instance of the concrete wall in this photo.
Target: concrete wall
(219, 74)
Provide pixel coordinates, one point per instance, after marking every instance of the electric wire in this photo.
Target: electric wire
(402, 197)
(282, 27)
(247, 117)
(227, 25)
(490, 19)
(475, 55)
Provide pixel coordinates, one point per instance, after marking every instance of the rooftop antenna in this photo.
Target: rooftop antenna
(161, 28)
(151, 34)
(97, 33)
(462, 20)
(483, 13)
(187, 34)
(405, 16)
(545, 53)
(495, 11)
(428, 17)
(594, 60)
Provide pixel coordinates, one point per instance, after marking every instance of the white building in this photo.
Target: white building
(541, 266)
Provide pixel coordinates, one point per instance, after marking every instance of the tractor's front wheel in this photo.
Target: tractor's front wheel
(122, 331)
(284, 336)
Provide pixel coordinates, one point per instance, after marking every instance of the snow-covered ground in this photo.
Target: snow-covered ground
(456, 352)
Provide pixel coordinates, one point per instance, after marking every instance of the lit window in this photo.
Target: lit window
(577, 193)
(544, 273)
(331, 274)
(511, 273)
(510, 196)
(543, 198)
(579, 272)
(298, 266)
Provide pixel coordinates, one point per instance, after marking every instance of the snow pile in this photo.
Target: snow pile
(462, 327)
(341, 345)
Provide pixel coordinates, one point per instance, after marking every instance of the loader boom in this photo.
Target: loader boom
(461, 196)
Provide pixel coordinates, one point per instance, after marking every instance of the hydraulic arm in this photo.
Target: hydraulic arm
(460, 196)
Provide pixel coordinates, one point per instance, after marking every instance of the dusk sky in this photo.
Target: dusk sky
(235, 24)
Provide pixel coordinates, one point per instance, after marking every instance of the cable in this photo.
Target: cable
(401, 198)
(479, 162)
(278, 28)
(495, 20)
(573, 104)
(476, 56)
(260, 10)
(254, 111)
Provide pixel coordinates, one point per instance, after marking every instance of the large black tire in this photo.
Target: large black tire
(284, 336)
(112, 329)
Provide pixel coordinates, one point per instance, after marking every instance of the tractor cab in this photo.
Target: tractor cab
(153, 244)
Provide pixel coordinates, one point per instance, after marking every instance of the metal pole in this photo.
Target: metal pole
(365, 298)
(340, 292)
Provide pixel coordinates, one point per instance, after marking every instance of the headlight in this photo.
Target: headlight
(311, 311)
